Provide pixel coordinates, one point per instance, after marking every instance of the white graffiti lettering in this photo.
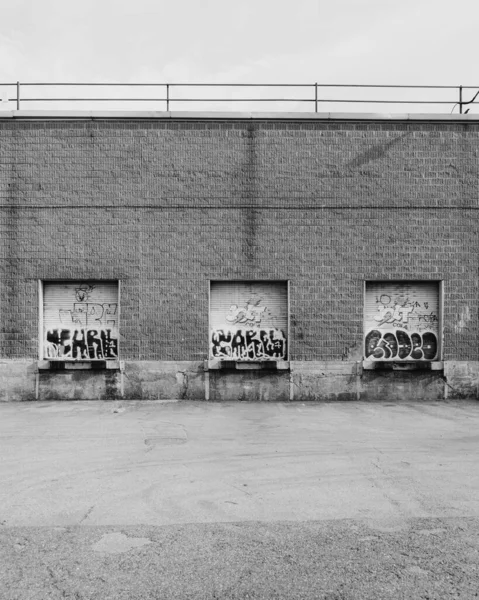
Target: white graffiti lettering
(251, 314)
(394, 314)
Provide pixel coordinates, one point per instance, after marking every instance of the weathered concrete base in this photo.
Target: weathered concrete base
(461, 379)
(398, 385)
(79, 385)
(161, 380)
(187, 380)
(251, 386)
(321, 380)
(17, 380)
(143, 380)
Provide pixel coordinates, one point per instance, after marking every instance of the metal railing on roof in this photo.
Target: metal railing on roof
(176, 96)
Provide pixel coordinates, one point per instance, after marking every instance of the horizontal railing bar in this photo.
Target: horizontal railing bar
(314, 88)
(171, 84)
(234, 100)
(164, 99)
(391, 101)
(373, 85)
(358, 85)
(95, 100)
(94, 84)
(310, 100)
(339, 85)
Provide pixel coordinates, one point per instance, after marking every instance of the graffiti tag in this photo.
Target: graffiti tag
(87, 314)
(250, 315)
(399, 312)
(87, 331)
(394, 314)
(248, 344)
(78, 344)
(83, 292)
(430, 318)
(401, 344)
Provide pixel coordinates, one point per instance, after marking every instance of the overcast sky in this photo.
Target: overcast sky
(430, 42)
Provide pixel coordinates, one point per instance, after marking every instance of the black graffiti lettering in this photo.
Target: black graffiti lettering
(110, 309)
(416, 353)
(109, 344)
(95, 314)
(90, 315)
(250, 344)
(238, 345)
(386, 348)
(430, 318)
(253, 344)
(80, 314)
(58, 343)
(267, 344)
(372, 340)
(404, 344)
(94, 344)
(274, 343)
(383, 299)
(221, 344)
(400, 344)
(81, 344)
(429, 345)
(392, 344)
(83, 292)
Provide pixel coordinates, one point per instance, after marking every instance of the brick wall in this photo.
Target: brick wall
(166, 206)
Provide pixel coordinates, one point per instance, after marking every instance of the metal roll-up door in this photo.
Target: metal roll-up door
(249, 321)
(401, 321)
(80, 321)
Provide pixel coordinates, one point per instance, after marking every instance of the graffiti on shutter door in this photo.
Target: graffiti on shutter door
(248, 321)
(402, 321)
(80, 321)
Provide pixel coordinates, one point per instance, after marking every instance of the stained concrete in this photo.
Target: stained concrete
(17, 380)
(161, 380)
(188, 380)
(461, 379)
(180, 462)
(249, 386)
(143, 500)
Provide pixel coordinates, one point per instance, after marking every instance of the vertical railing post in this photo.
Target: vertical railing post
(167, 97)
(460, 99)
(18, 95)
(316, 97)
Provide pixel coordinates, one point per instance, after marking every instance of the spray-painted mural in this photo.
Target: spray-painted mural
(248, 322)
(81, 321)
(402, 321)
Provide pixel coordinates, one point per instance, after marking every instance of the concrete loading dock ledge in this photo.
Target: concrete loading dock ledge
(238, 256)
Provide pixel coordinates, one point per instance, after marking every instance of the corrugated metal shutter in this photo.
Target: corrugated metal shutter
(249, 321)
(80, 320)
(401, 321)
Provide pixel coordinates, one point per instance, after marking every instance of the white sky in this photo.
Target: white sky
(430, 42)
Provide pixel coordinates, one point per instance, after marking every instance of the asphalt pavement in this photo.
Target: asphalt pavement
(159, 500)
